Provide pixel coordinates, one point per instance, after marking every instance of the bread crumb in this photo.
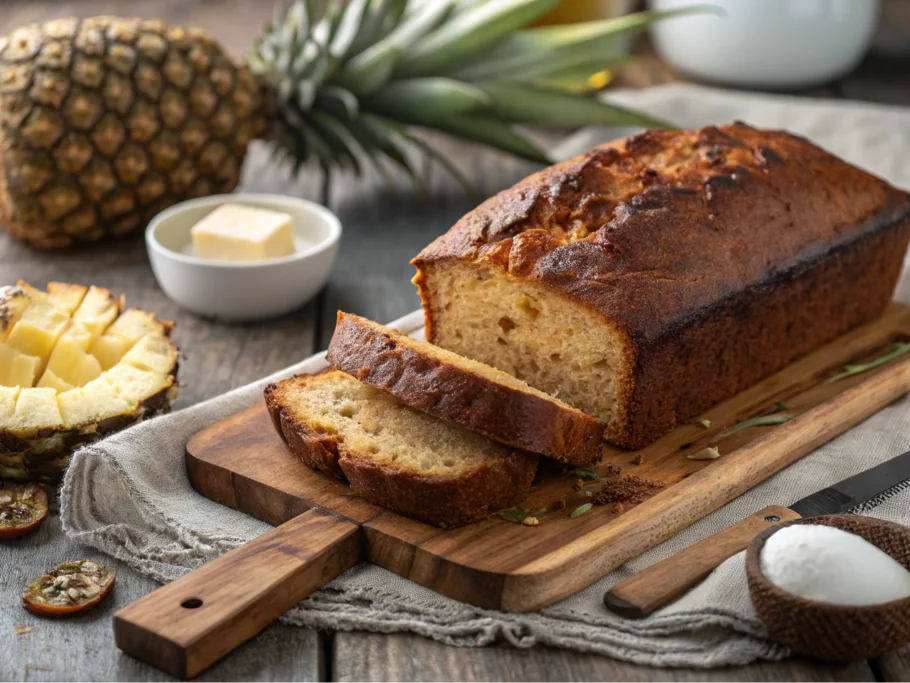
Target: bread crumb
(612, 470)
(579, 485)
(530, 521)
(561, 505)
(638, 459)
(618, 508)
(626, 489)
(20, 629)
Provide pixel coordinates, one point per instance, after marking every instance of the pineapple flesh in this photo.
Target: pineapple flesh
(73, 367)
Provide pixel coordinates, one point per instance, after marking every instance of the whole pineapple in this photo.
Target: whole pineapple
(106, 121)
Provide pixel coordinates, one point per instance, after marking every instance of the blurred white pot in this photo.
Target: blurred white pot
(767, 43)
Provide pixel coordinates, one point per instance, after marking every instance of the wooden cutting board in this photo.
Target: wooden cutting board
(496, 564)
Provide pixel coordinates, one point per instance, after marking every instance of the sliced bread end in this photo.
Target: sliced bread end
(394, 456)
(464, 392)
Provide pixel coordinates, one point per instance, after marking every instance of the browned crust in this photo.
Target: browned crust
(753, 335)
(317, 450)
(442, 501)
(408, 369)
(651, 230)
(722, 253)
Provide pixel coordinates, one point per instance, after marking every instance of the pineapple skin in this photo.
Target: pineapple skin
(44, 454)
(105, 122)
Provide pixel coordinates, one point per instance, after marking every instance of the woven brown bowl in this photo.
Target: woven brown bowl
(823, 630)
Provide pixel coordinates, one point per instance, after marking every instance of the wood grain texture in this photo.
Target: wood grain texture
(382, 657)
(382, 232)
(186, 626)
(663, 582)
(242, 463)
(894, 666)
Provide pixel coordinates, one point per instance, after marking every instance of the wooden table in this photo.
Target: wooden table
(382, 231)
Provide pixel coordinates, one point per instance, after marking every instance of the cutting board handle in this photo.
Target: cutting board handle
(665, 581)
(186, 626)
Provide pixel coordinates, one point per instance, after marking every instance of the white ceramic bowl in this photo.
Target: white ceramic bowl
(238, 291)
(767, 43)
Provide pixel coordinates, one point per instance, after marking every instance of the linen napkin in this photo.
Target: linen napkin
(150, 517)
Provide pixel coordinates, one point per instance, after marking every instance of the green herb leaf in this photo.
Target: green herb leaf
(539, 513)
(780, 405)
(849, 370)
(514, 514)
(760, 421)
(580, 510)
(585, 474)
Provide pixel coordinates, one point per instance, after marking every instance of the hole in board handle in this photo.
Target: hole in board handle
(191, 603)
(770, 519)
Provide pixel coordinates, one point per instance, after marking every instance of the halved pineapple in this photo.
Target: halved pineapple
(72, 369)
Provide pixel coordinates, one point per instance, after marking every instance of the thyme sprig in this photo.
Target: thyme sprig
(899, 349)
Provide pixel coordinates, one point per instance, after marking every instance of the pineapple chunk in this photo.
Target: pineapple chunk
(97, 310)
(96, 401)
(69, 360)
(36, 408)
(133, 324)
(52, 381)
(62, 296)
(124, 332)
(134, 385)
(154, 353)
(16, 368)
(109, 349)
(36, 332)
(8, 397)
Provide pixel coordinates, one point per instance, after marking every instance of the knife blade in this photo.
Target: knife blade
(663, 582)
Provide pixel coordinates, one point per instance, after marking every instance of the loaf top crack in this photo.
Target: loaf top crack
(654, 230)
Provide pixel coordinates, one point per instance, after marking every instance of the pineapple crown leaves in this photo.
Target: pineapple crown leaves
(345, 87)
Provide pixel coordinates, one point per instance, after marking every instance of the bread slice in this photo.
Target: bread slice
(394, 456)
(464, 392)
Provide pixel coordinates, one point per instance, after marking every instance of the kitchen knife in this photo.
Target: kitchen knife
(665, 581)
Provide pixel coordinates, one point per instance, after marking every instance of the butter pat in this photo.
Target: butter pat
(235, 232)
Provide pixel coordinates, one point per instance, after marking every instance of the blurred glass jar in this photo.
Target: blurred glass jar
(767, 43)
(575, 11)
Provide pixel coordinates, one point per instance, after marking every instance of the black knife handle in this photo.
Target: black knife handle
(665, 581)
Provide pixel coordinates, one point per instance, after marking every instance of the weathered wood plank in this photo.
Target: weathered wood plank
(83, 648)
(399, 657)
(894, 666)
